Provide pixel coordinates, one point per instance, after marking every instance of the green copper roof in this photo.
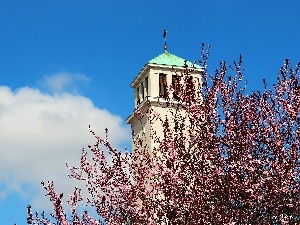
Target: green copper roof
(169, 59)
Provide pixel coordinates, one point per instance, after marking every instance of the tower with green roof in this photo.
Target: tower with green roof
(150, 91)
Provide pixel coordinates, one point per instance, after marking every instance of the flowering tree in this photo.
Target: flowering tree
(236, 160)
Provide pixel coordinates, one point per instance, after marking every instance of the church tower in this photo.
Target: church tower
(151, 87)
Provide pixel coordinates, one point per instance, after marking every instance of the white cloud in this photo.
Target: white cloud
(64, 81)
(40, 132)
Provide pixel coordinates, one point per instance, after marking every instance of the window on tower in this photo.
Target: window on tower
(176, 86)
(138, 100)
(162, 85)
(190, 88)
(190, 84)
(142, 91)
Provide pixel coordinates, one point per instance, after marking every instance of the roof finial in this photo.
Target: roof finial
(165, 39)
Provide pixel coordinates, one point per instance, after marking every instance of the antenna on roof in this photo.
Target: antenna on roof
(165, 39)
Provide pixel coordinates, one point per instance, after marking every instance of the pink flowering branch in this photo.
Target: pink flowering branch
(230, 158)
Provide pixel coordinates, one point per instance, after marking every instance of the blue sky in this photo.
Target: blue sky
(67, 64)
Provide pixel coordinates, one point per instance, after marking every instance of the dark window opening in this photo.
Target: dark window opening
(190, 81)
(176, 86)
(138, 96)
(162, 85)
(190, 89)
(142, 91)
